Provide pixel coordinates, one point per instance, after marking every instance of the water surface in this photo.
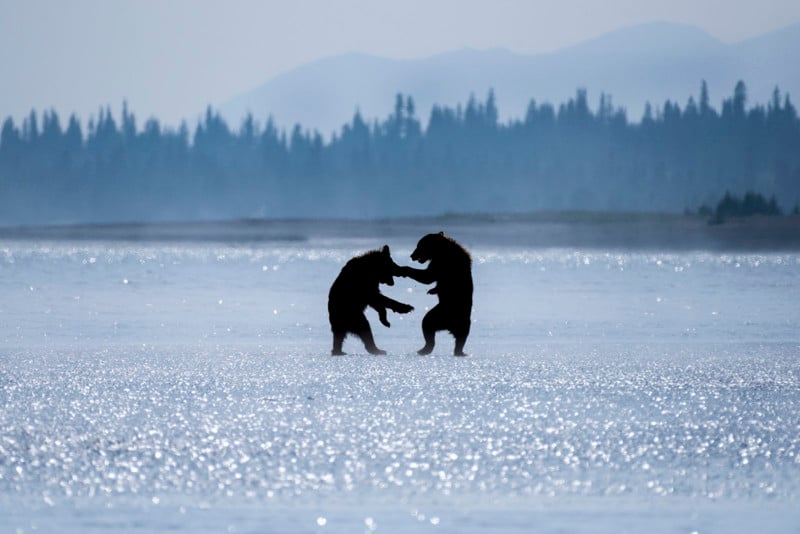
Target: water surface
(186, 385)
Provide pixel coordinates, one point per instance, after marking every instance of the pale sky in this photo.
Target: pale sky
(171, 58)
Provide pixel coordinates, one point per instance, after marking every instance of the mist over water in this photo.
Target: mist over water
(187, 385)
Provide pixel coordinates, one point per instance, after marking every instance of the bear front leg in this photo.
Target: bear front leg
(423, 276)
(381, 302)
(382, 316)
(396, 306)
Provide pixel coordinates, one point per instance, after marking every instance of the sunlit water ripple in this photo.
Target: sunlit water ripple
(195, 375)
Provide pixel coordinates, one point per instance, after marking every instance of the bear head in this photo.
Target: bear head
(383, 266)
(429, 246)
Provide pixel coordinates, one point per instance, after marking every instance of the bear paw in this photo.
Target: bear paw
(403, 308)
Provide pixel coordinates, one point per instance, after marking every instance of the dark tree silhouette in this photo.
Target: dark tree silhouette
(464, 160)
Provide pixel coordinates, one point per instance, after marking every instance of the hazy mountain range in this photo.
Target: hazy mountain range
(645, 63)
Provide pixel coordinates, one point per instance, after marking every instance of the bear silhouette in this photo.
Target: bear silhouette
(357, 287)
(450, 267)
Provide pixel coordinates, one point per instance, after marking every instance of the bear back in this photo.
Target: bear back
(359, 279)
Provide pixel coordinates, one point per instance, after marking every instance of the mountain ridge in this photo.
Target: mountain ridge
(650, 62)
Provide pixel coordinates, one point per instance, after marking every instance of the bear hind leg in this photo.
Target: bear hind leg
(338, 340)
(429, 336)
(431, 323)
(459, 348)
(363, 331)
(460, 333)
(369, 343)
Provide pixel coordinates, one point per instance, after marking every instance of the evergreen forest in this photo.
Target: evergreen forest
(573, 156)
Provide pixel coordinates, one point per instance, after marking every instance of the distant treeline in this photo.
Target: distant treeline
(569, 157)
(750, 204)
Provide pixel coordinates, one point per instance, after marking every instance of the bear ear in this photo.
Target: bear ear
(441, 233)
(385, 250)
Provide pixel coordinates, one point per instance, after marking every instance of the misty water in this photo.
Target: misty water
(187, 385)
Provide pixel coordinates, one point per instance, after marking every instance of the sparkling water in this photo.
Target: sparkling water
(188, 386)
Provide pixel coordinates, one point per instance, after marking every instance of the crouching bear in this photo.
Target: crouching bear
(354, 289)
(450, 267)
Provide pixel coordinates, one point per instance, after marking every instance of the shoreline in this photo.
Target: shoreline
(538, 230)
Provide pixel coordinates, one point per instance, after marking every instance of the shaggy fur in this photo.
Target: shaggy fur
(354, 289)
(450, 267)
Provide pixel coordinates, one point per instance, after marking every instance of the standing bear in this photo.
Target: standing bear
(354, 289)
(450, 267)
